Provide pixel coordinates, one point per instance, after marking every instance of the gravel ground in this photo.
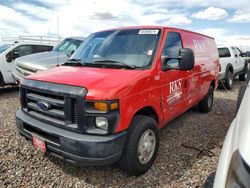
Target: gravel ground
(178, 164)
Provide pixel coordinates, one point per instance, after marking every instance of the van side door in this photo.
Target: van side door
(174, 82)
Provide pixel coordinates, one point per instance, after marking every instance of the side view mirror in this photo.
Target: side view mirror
(243, 54)
(12, 56)
(185, 60)
(9, 58)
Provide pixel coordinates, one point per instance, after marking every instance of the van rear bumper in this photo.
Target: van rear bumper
(81, 149)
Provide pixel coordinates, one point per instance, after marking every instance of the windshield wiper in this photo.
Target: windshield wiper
(74, 62)
(113, 61)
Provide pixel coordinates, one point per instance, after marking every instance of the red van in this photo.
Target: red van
(108, 102)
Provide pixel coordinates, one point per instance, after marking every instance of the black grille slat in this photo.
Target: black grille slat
(52, 112)
(42, 117)
(52, 101)
(75, 114)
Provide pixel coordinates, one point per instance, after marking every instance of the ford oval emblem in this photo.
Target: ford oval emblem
(43, 105)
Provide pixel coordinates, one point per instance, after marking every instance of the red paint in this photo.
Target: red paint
(136, 89)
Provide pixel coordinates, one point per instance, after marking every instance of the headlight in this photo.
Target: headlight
(101, 116)
(238, 172)
(101, 106)
(101, 123)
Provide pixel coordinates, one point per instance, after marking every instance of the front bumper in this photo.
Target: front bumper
(238, 172)
(17, 76)
(81, 149)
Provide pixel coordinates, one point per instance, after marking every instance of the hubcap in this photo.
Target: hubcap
(146, 146)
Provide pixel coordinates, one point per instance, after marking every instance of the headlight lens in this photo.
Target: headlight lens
(101, 123)
(101, 116)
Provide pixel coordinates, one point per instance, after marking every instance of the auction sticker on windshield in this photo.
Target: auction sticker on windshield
(148, 32)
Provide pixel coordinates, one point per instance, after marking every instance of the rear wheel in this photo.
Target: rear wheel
(229, 80)
(141, 146)
(243, 76)
(207, 102)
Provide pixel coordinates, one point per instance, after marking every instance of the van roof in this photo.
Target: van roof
(157, 27)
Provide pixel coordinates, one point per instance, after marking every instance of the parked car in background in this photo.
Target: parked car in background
(234, 164)
(9, 51)
(108, 102)
(42, 61)
(247, 54)
(233, 63)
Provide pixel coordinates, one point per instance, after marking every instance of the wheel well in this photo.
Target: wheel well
(230, 68)
(213, 84)
(148, 111)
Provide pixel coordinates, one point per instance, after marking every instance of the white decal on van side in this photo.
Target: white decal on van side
(175, 93)
(174, 86)
(200, 46)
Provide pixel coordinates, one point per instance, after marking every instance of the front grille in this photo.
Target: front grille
(24, 70)
(55, 114)
(62, 101)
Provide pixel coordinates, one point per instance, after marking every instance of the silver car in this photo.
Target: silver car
(42, 61)
(234, 164)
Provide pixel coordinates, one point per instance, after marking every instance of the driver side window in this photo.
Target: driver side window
(171, 48)
(21, 51)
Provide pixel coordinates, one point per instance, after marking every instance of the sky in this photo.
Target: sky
(228, 21)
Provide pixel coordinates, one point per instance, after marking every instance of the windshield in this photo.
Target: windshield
(132, 48)
(68, 46)
(4, 47)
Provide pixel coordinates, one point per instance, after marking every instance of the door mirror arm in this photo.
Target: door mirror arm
(165, 59)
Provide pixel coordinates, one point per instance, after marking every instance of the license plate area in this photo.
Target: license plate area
(39, 143)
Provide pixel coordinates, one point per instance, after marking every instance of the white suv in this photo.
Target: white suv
(233, 63)
(12, 48)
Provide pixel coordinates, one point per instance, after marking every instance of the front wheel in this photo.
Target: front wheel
(229, 80)
(243, 75)
(207, 102)
(141, 146)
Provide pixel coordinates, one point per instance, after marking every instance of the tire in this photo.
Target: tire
(243, 76)
(240, 96)
(1, 80)
(131, 161)
(206, 104)
(229, 80)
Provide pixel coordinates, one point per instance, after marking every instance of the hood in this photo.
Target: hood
(243, 122)
(101, 83)
(43, 60)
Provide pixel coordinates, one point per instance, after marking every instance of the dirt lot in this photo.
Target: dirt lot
(176, 164)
